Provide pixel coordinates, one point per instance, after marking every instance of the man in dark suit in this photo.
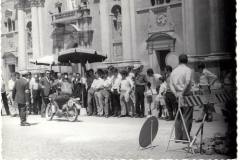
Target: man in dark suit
(21, 95)
(46, 88)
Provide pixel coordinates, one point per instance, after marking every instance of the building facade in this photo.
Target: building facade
(152, 31)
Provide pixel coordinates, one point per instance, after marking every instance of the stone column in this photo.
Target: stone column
(188, 27)
(216, 27)
(105, 28)
(126, 30)
(41, 28)
(35, 29)
(22, 64)
(133, 28)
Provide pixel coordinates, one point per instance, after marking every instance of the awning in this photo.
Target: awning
(80, 55)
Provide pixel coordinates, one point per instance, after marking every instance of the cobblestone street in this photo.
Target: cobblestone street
(93, 137)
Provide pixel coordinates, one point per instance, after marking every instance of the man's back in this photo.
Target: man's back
(180, 77)
(21, 91)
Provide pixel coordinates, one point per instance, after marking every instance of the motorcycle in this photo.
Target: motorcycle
(70, 109)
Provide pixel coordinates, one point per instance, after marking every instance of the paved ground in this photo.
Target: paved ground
(92, 137)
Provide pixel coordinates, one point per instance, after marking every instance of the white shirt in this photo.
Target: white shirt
(32, 82)
(108, 82)
(180, 78)
(207, 77)
(116, 82)
(125, 85)
(97, 83)
(11, 84)
(94, 83)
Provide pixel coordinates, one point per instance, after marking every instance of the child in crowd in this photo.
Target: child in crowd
(160, 99)
(149, 98)
(125, 90)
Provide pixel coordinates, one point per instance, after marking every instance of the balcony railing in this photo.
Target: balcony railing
(67, 16)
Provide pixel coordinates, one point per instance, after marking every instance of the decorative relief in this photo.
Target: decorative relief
(160, 20)
(37, 3)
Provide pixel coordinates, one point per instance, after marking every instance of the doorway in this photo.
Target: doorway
(161, 58)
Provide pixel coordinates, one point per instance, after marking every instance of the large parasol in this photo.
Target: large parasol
(80, 55)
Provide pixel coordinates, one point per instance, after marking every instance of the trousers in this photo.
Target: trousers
(45, 102)
(5, 103)
(99, 104)
(139, 98)
(171, 103)
(22, 108)
(13, 107)
(180, 133)
(105, 101)
(116, 102)
(91, 107)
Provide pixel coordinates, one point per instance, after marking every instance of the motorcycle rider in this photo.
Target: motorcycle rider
(66, 89)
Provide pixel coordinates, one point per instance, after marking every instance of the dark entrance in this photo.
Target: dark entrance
(161, 58)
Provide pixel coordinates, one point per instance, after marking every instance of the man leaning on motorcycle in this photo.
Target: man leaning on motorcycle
(64, 92)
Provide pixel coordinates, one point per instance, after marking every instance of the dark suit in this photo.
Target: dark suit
(21, 95)
(46, 88)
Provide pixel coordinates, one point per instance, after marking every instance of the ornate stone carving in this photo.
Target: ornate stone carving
(37, 3)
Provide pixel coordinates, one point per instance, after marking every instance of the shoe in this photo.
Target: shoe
(107, 116)
(14, 115)
(25, 124)
(137, 116)
(121, 116)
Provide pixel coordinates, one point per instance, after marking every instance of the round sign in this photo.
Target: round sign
(172, 60)
(148, 132)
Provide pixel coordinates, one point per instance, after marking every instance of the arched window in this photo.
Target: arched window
(9, 22)
(116, 11)
(29, 35)
(13, 25)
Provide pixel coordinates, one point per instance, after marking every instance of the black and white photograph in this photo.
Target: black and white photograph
(118, 79)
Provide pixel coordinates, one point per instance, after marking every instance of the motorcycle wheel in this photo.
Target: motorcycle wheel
(72, 113)
(49, 113)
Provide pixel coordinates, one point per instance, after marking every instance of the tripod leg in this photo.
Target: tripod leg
(205, 115)
(151, 133)
(173, 127)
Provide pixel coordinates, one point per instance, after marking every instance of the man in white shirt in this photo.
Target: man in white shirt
(105, 93)
(91, 107)
(180, 85)
(115, 93)
(98, 87)
(206, 81)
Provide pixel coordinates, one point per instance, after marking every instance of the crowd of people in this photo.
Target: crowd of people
(116, 92)
(106, 92)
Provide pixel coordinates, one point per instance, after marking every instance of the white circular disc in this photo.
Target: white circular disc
(172, 60)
